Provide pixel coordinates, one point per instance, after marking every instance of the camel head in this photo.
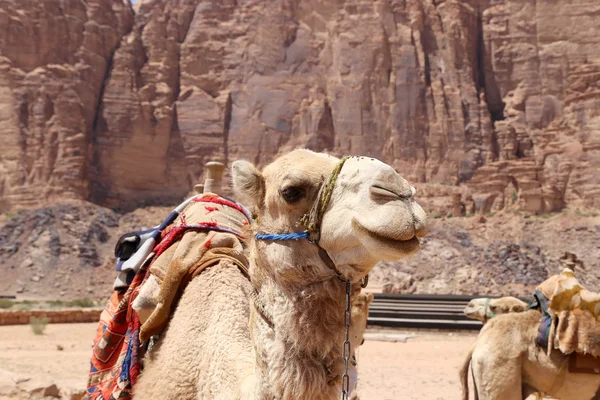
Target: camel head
(485, 308)
(370, 213)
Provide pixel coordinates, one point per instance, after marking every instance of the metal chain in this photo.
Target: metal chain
(347, 348)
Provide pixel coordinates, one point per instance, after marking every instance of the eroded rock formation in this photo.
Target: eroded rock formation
(54, 56)
(485, 104)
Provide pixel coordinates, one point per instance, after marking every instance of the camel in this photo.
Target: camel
(321, 224)
(508, 365)
(483, 309)
(360, 315)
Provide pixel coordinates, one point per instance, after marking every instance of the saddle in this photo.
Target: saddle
(570, 321)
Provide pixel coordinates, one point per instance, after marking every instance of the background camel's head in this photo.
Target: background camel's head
(371, 215)
(360, 314)
(476, 309)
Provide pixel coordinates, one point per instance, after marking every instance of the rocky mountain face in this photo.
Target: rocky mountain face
(55, 56)
(67, 252)
(498, 255)
(484, 104)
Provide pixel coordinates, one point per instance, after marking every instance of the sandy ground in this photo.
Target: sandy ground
(38, 362)
(424, 368)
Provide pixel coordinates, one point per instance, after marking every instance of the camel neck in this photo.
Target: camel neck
(299, 355)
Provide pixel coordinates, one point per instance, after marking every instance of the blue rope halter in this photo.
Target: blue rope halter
(488, 313)
(282, 236)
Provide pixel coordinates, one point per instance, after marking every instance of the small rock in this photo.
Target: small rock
(48, 391)
(21, 289)
(7, 382)
(78, 395)
(447, 254)
(59, 347)
(62, 293)
(35, 278)
(27, 263)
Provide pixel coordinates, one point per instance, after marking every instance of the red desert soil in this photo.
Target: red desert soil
(424, 368)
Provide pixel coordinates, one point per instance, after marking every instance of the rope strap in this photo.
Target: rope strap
(282, 236)
(313, 219)
(486, 310)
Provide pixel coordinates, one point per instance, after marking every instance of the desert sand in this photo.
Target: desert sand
(424, 367)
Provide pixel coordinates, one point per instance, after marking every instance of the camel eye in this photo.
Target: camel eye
(292, 194)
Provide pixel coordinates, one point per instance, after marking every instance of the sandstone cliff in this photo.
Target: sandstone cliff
(485, 104)
(54, 58)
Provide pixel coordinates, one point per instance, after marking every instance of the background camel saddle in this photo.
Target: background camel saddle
(207, 231)
(575, 313)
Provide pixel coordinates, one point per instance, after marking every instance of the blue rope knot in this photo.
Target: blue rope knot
(282, 236)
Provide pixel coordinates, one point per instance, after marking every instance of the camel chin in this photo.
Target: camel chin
(384, 247)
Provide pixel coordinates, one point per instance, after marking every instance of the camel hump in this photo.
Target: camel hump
(197, 234)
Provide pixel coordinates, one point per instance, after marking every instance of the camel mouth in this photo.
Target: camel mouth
(469, 312)
(406, 245)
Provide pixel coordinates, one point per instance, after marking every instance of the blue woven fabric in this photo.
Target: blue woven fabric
(282, 236)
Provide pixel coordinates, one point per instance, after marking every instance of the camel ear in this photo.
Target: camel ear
(369, 298)
(248, 183)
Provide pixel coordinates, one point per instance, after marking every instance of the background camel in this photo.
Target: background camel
(508, 365)
(485, 308)
(286, 345)
(360, 315)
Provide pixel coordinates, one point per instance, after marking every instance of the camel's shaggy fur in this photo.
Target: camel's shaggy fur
(217, 346)
(504, 305)
(508, 365)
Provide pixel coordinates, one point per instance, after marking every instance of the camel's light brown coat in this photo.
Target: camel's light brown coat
(218, 347)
